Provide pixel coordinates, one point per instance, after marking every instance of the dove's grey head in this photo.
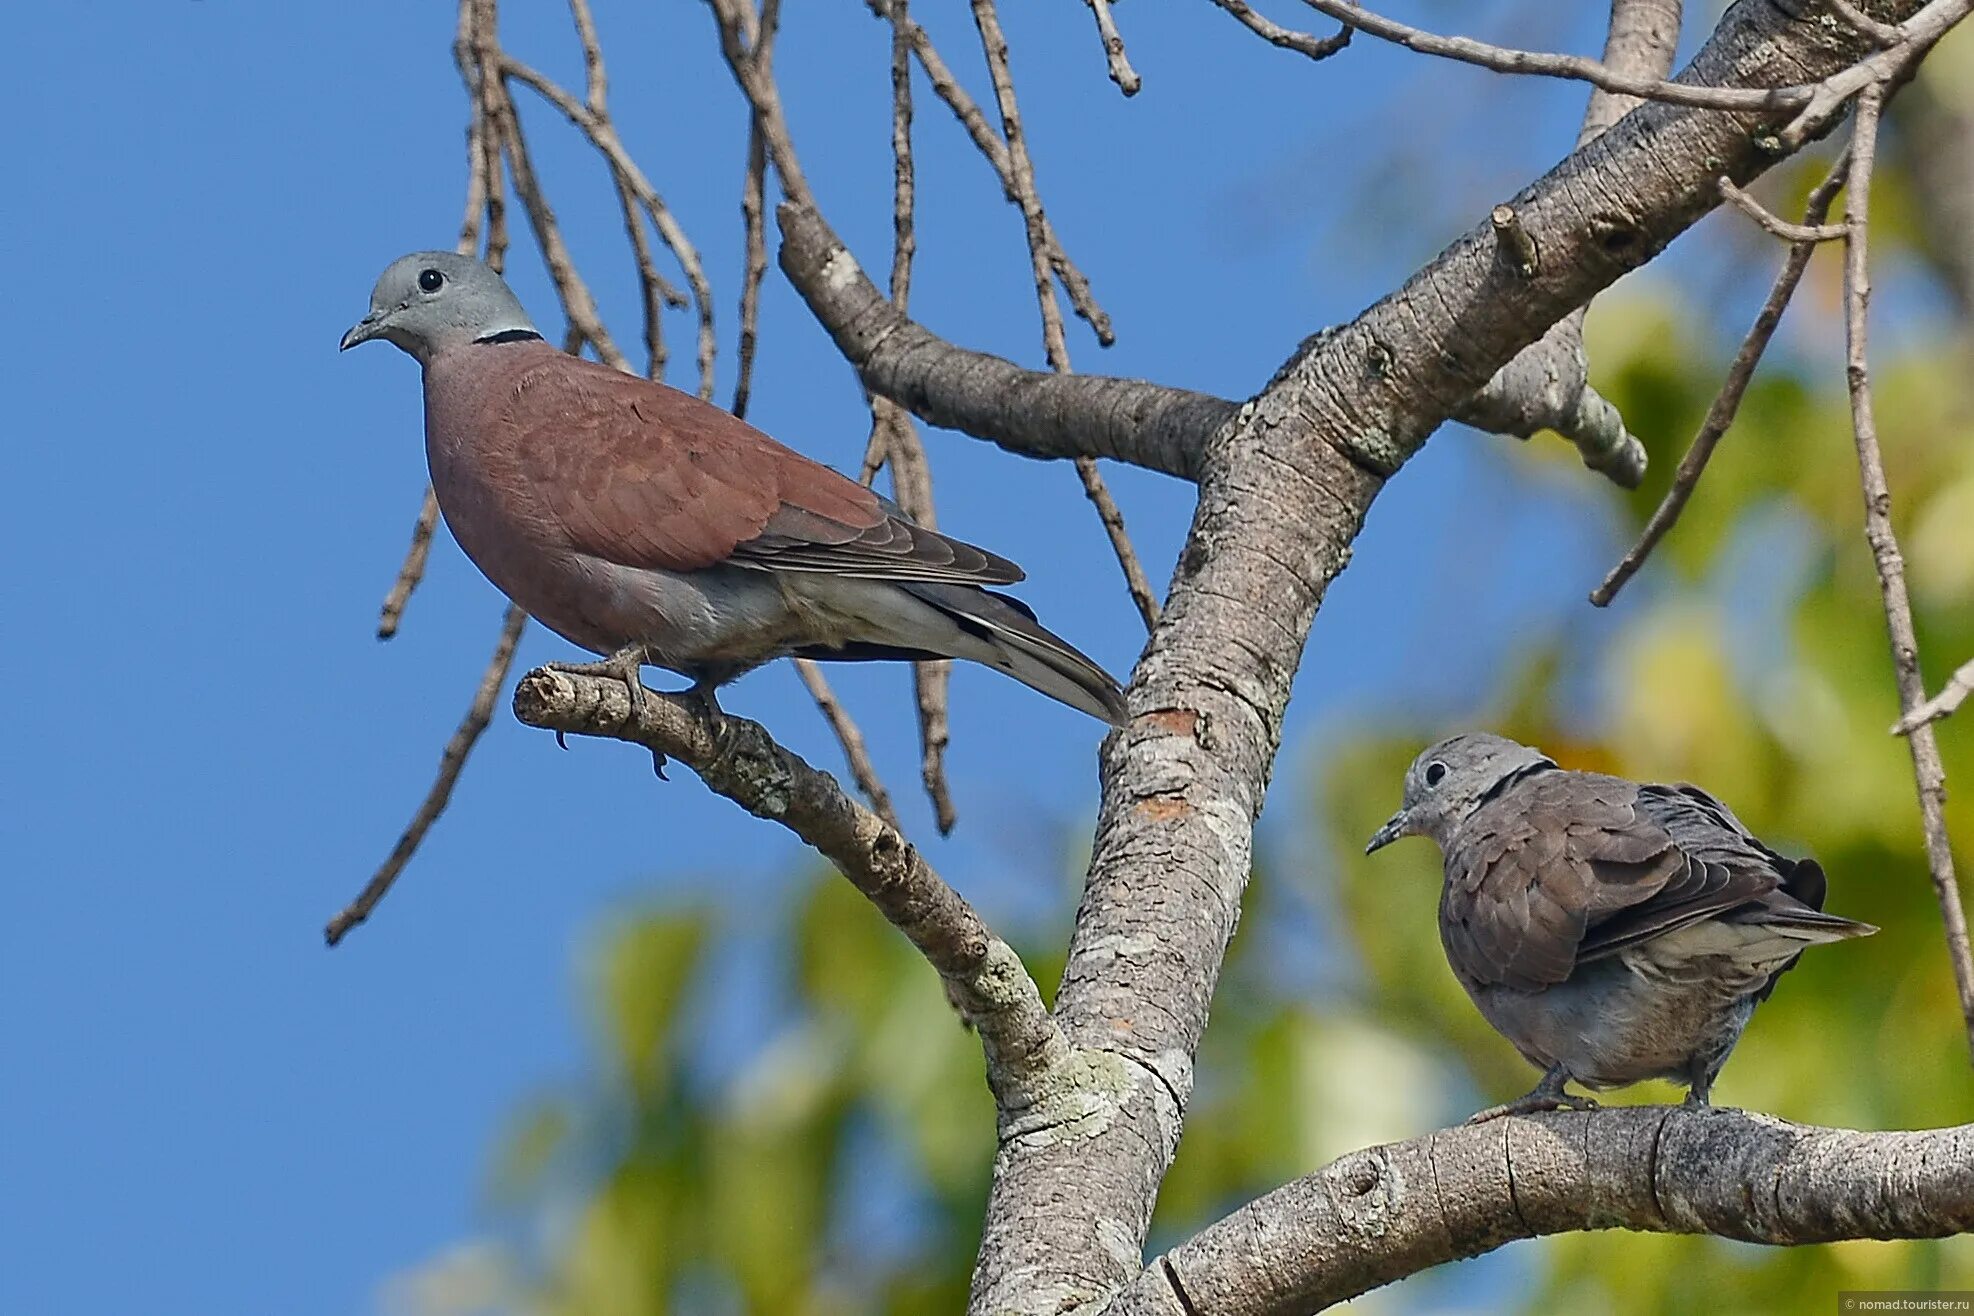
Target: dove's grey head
(1450, 779)
(431, 300)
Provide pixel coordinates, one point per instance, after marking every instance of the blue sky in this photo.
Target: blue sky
(207, 750)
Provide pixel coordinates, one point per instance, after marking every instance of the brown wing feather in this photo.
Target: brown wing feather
(1568, 867)
(642, 475)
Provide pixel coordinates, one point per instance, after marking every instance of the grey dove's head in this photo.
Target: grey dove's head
(431, 300)
(1450, 779)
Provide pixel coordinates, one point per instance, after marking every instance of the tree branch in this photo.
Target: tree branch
(740, 760)
(1284, 489)
(1033, 413)
(1380, 1214)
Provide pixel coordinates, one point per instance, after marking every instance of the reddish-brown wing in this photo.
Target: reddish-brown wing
(643, 475)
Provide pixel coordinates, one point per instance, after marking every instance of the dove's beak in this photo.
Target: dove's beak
(1394, 828)
(363, 330)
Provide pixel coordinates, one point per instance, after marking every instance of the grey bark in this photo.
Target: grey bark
(1386, 1212)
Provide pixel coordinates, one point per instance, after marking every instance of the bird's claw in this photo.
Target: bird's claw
(626, 665)
(1546, 1097)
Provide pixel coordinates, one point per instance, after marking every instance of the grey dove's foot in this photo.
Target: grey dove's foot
(626, 665)
(1534, 1104)
(1546, 1095)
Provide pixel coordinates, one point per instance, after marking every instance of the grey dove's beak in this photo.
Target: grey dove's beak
(362, 331)
(1393, 829)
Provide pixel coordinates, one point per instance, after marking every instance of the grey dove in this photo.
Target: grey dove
(1612, 931)
(643, 524)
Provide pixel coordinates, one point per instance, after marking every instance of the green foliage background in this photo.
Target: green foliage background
(640, 1187)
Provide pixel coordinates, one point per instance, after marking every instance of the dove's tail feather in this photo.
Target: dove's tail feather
(922, 620)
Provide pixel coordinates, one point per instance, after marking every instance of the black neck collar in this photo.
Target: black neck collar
(511, 336)
(1520, 774)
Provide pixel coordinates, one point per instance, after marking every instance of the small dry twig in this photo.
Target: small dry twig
(1119, 64)
(478, 715)
(1727, 402)
(1021, 171)
(484, 200)
(1303, 43)
(592, 118)
(1774, 223)
(1882, 35)
(753, 193)
(1952, 695)
(856, 755)
(413, 569)
(989, 143)
(895, 439)
(1928, 771)
(578, 305)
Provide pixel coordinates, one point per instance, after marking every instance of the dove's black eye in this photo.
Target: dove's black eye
(1434, 772)
(431, 280)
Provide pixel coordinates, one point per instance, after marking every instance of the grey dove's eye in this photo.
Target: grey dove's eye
(1434, 772)
(431, 280)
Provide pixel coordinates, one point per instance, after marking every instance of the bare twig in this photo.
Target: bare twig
(1774, 223)
(1112, 518)
(478, 714)
(1952, 695)
(737, 24)
(1815, 103)
(738, 759)
(753, 191)
(483, 201)
(1882, 35)
(904, 172)
(413, 569)
(1119, 64)
(855, 754)
(754, 219)
(654, 293)
(1928, 771)
(894, 439)
(948, 89)
(597, 126)
(993, 41)
(1727, 402)
(1303, 43)
(577, 302)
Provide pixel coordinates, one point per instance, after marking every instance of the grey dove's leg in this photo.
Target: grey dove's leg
(1546, 1095)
